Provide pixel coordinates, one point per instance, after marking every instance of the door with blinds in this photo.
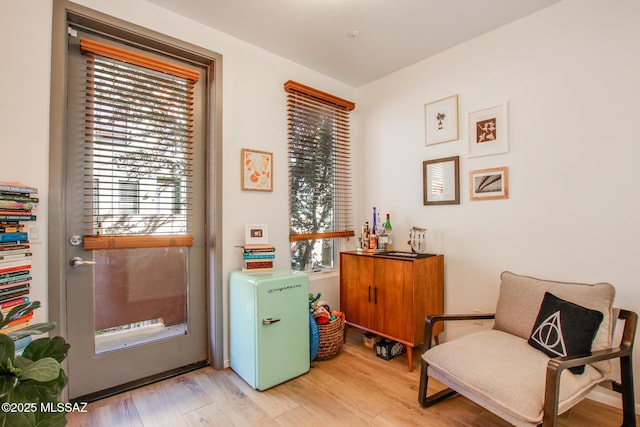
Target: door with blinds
(135, 215)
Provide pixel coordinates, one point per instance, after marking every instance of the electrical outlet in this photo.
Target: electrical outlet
(478, 322)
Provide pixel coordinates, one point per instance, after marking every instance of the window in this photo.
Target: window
(319, 175)
(138, 145)
(127, 198)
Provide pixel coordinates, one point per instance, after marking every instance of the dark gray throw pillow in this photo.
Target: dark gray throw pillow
(563, 328)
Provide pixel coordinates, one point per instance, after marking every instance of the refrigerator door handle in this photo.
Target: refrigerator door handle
(269, 321)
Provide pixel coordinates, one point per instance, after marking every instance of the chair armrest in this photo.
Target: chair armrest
(432, 319)
(624, 352)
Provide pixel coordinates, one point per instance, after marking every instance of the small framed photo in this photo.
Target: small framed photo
(440, 181)
(441, 120)
(256, 170)
(489, 184)
(255, 234)
(488, 131)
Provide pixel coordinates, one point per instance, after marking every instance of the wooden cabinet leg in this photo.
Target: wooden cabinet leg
(410, 357)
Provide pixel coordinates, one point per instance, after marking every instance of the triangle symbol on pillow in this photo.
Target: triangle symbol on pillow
(549, 335)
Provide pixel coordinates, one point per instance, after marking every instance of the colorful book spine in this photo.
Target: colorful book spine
(13, 302)
(15, 205)
(19, 197)
(16, 216)
(259, 256)
(17, 187)
(14, 237)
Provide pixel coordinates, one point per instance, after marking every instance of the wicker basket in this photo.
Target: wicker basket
(331, 339)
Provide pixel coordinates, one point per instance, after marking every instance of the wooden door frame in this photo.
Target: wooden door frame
(63, 12)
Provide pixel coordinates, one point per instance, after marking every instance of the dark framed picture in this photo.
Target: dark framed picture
(440, 179)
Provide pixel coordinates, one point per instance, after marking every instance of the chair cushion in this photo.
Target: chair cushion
(563, 328)
(504, 374)
(521, 296)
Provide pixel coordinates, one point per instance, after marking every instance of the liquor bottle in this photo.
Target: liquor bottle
(374, 228)
(387, 232)
(373, 239)
(365, 235)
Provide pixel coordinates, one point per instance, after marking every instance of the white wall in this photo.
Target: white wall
(254, 116)
(570, 76)
(568, 72)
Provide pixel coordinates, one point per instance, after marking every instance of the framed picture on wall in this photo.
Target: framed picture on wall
(440, 181)
(488, 131)
(489, 184)
(255, 234)
(441, 120)
(256, 173)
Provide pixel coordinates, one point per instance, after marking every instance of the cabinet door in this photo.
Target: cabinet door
(356, 289)
(393, 298)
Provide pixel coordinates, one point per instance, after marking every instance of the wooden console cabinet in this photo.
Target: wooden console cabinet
(391, 295)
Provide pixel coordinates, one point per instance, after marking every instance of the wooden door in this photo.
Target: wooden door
(356, 288)
(393, 298)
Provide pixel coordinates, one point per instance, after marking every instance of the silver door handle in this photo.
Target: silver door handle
(76, 262)
(269, 321)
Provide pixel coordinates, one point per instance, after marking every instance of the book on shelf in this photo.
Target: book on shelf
(14, 328)
(25, 281)
(21, 343)
(17, 216)
(16, 205)
(14, 273)
(259, 247)
(14, 237)
(13, 295)
(11, 247)
(10, 303)
(255, 255)
(25, 263)
(14, 289)
(252, 265)
(11, 227)
(14, 257)
(19, 197)
(20, 320)
(17, 187)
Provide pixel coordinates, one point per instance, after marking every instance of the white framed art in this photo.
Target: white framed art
(488, 131)
(255, 234)
(441, 120)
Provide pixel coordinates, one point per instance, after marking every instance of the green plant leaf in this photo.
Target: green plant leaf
(7, 352)
(37, 329)
(21, 362)
(51, 419)
(7, 384)
(55, 347)
(16, 419)
(42, 370)
(44, 392)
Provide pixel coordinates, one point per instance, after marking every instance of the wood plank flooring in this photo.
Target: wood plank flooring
(355, 388)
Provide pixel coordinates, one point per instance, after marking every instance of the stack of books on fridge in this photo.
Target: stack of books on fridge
(258, 257)
(16, 206)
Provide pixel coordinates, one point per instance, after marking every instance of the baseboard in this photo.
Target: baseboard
(609, 397)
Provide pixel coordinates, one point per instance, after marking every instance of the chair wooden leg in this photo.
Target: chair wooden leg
(626, 389)
(425, 400)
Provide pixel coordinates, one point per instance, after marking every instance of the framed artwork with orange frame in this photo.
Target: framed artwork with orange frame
(256, 170)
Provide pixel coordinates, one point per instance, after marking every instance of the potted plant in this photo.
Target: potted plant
(31, 383)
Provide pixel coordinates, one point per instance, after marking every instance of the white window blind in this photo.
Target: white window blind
(138, 149)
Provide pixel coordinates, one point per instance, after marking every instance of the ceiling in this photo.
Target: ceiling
(355, 41)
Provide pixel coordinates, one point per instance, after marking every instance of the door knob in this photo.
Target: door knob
(76, 262)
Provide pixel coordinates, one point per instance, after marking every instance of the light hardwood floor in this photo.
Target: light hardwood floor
(355, 388)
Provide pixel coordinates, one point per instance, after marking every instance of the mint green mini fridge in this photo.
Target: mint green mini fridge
(268, 326)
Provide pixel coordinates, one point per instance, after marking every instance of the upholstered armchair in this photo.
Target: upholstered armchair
(550, 345)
